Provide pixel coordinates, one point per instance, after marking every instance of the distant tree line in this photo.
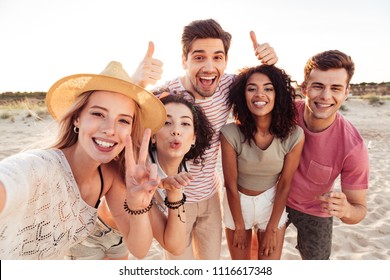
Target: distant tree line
(359, 89)
(371, 84)
(16, 96)
(371, 89)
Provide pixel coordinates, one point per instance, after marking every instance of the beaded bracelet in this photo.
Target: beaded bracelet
(176, 205)
(137, 212)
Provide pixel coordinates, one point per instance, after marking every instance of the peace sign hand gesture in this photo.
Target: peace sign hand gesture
(141, 177)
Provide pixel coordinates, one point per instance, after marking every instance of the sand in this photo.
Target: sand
(368, 240)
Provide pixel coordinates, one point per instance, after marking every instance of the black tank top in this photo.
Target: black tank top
(101, 187)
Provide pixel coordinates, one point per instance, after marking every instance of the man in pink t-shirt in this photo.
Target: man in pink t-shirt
(333, 147)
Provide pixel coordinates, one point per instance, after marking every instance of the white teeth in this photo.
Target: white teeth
(104, 144)
(323, 105)
(259, 103)
(207, 78)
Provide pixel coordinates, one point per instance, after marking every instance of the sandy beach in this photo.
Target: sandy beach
(369, 240)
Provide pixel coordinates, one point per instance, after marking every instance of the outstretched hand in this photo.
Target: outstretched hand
(177, 181)
(264, 52)
(149, 70)
(141, 177)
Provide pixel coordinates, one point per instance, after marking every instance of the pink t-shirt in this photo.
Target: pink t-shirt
(338, 150)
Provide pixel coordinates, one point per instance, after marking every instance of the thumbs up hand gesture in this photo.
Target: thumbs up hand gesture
(149, 70)
(264, 52)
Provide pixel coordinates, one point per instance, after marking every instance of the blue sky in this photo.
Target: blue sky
(42, 41)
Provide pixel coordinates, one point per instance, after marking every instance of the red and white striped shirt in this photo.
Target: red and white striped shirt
(207, 180)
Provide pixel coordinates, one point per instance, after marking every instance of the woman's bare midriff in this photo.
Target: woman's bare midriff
(248, 192)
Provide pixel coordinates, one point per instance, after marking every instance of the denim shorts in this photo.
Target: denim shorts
(256, 210)
(104, 241)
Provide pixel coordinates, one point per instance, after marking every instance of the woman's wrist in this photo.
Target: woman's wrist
(137, 211)
(174, 203)
(273, 229)
(174, 195)
(239, 227)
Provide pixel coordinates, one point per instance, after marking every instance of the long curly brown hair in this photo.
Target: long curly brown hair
(283, 113)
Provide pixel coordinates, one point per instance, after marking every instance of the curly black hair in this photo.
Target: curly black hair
(284, 112)
(202, 127)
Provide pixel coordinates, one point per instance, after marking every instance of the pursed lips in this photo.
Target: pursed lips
(175, 144)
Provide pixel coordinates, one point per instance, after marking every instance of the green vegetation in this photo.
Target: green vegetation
(5, 115)
(22, 95)
(23, 100)
(364, 84)
(374, 100)
(382, 89)
(33, 102)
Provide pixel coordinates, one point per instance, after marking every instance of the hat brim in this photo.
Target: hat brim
(64, 92)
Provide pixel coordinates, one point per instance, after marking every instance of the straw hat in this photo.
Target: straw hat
(113, 78)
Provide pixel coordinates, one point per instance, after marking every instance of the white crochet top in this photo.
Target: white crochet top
(44, 213)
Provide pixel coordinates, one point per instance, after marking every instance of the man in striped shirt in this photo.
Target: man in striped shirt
(205, 47)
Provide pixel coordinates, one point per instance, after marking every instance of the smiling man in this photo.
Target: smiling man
(333, 147)
(205, 47)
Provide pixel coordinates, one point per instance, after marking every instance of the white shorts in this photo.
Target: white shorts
(256, 210)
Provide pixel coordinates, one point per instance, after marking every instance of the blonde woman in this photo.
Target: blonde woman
(185, 135)
(49, 197)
